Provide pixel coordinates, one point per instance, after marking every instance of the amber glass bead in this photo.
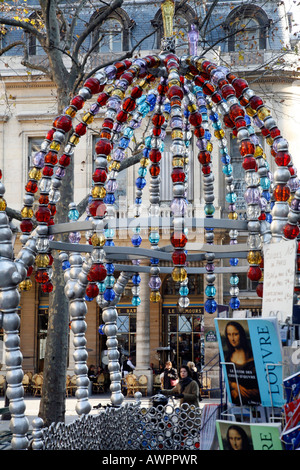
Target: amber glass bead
(247, 148)
(35, 174)
(2, 204)
(263, 112)
(27, 212)
(144, 161)
(254, 257)
(98, 240)
(179, 274)
(233, 215)
(98, 192)
(51, 158)
(281, 193)
(155, 297)
(55, 146)
(42, 260)
(70, 112)
(31, 187)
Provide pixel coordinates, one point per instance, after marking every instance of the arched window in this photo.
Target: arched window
(184, 17)
(113, 35)
(247, 29)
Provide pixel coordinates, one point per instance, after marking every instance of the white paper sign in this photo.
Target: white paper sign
(279, 277)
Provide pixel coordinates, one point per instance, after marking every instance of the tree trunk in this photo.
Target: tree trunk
(52, 405)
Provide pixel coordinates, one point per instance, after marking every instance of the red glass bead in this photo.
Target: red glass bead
(178, 239)
(208, 88)
(128, 105)
(154, 170)
(239, 123)
(77, 102)
(265, 132)
(107, 124)
(47, 287)
(48, 171)
(195, 119)
(51, 158)
(199, 132)
(254, 273)
(298, 263)
(127, 63)
(43, 214)
(105, 134)
(122, 116)
(239, 85)
(65, 160)
(120, 66)
(175, 91)
(102, 99)
(43, 199)
(210, 68)
(99, 175)
(171, 57)
(156, 131)
(228, 122)
(26, 226)
(31, 186)
(92, 290)
(260, 290)
(175, 101)
(63, 122)
(292, 170)
(255, 102)
(97, 208)
(206, 169)
(162, 89)
(80, 129)
(158, 119)
(29, 271)
(97, 273)
(41, 276)
(103, 147)
(179, 257)
(275, 132)
(199, 81)
(178, 175)
(227, 90)
(243, 101)
(206, 64)
(249, 163)
(50, 222)
(291, 231)
(52, 209)
(93, 85)
(49, 135)
(128, 76)
(222, 82)
(136, 92)
(204, 157)
(230, 77)
(51, 259)
(247, 148)
(155, 156)
(149, 77)
(236, 111)
(216, 98)
(281, 193)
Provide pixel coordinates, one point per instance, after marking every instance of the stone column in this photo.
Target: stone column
(143, 333)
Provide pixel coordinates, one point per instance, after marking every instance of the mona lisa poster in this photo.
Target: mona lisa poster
(251, 358)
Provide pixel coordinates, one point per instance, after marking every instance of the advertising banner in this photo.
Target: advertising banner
(248, 436)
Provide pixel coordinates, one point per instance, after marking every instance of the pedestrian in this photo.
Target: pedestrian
(186, 389)
(168, 376)
(195, 375)
(127, 366)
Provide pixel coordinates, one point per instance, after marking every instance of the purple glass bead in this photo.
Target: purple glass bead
(119, 155)
(114, 103)
(118, 127)
(136, 262)
(295, 205)
(74, 237)
(262, 203)
(280, 144)
(111, 186)
(154, 282)
(110, 71)
(176, 122)
(60, 172)
(210, 267)
(94, 109)
(178, 206)
(202, 144)
(217, 75)
(293, 184)
(252, 196)
(134, 124)
(142, 64)
(231, 207)
(39, 159)
(254, 139)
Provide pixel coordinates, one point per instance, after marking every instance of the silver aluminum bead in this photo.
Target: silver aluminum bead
(85, 93)
(269, 122)
(280, 210)
(59, 136)
(282, 175)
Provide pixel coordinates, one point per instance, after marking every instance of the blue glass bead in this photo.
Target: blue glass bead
(142, 171)
(202, 109)
(167, 108)
(101, 329)
(186, 113)
(225, 159)
(234, 261)
(204, 117)
(110, 281)
(234, 303)
(151, 100)
(154, 261)
(88, 299)
(141, 99)
(184, 290)
(110, 268)
(144, 109)
(210, 306)
(231, 198)
(234, 280)
(128, 132)
(146, 152)
(140, 182)
(214, 117)
(207, 135)
(136, 240)
(209, 209)
(73, 214)
(265, 183)
(138, 200)
(65, 265)
(109, 233)
(162, 147)
(109, 243)
(136, 279)
(227, 170)
(109, 295)
(247, 119)
(136, 300)
(266, 195)
(154, 237)
(109, 198)
(269, 218)
(210, 291)
(101, 287)
(124, 142)
(148, 141)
